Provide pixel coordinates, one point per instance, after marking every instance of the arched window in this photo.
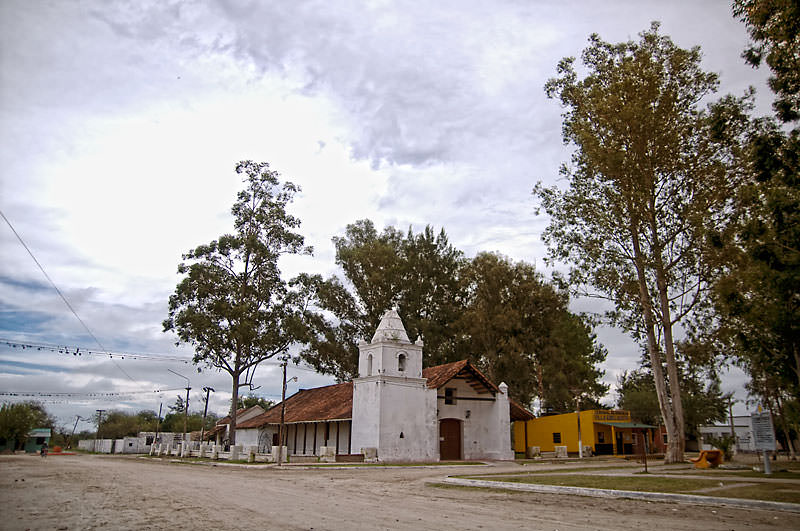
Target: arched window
(401, 362)
(369, 365)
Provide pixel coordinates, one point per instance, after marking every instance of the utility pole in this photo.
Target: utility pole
(282, 430)
(186, 405)
(733, 429)
(205, 411)
(283, 413)
(578, 412)
(77, 418)
(99, 421)
(158, 422)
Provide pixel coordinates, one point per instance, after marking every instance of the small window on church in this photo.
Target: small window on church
(557, 438)
(401, 362)
(369, 365)
(449, 395)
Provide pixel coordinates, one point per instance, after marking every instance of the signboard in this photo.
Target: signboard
(763, 434)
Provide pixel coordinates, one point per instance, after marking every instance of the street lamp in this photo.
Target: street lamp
(186, 406)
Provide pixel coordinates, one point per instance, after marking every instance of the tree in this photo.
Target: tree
(17, 420)
(420, 273)
(517, 329)
(651, 171)
(253, 400)
(501, 315)
(232, 305)
(179, 406)
(774, 25)
(757, 313)
(119, 424)
(704, 402)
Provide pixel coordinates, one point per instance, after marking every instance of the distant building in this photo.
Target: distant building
(602, 432)
(742, 429)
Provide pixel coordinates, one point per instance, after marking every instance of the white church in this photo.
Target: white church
(396, 408)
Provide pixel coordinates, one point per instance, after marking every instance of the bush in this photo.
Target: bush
(724, 443)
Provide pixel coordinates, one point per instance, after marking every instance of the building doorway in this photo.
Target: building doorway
(449, 439)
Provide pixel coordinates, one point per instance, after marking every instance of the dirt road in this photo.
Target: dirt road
(104, 492)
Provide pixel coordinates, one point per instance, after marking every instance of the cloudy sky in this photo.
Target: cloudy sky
(121, 122)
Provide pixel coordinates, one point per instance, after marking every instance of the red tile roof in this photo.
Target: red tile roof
(332, 402)
(441, 374)
(518, 412)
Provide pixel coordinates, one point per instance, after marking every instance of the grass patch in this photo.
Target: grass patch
(637, 483)
(778, 492)
(773, 491)
(787, 474)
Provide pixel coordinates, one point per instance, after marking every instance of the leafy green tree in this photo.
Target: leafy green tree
(119, 424)
(517, 329)
(651, 171)
(232, 305)
(17, 420)
(757, 315)
(500, 314)
(774, 26)
(179, 406)
(704, 402)
(419, 272)
(253, 400)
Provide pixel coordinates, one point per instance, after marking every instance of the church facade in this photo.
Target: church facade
(396, 408)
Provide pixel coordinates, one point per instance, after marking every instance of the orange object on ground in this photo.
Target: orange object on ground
(708, 459)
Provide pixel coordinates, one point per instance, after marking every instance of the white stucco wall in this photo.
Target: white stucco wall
(384, 407)
(407, 408)
(366, 413)
(485, 434)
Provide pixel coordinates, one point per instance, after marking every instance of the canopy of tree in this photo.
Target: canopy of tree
(774, 26)
(502, 315)
(232, 305)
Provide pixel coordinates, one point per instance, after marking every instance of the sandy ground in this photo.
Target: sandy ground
(105, 492)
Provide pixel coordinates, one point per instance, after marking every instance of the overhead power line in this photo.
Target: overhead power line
(41, 268)
(77, 351)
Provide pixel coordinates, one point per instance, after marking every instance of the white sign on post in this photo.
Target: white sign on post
(763, 434)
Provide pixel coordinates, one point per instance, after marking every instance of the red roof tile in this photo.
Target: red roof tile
(441, 374)
(332, 402)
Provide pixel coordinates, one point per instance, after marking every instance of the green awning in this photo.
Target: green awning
(626, 424)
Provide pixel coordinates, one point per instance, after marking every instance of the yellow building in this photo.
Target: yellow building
(606, 432)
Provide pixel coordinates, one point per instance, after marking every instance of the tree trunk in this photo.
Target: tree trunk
(234, 406)
(675, 447)
(667, 413)
(785, 427)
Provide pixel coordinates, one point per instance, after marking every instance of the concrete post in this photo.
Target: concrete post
(327, 454)
(235, 452)
(279, 454)
(251, 455)
(215, 452)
